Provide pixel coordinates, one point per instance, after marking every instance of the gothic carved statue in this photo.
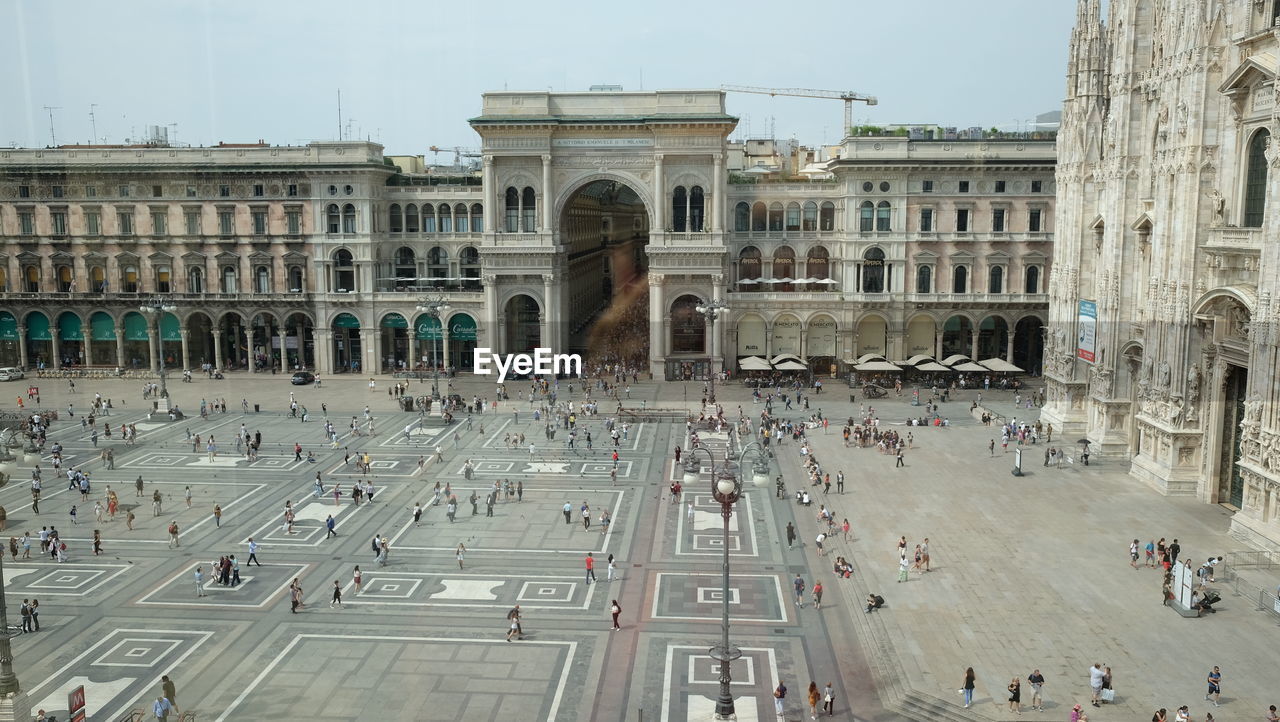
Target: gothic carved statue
(1165, 377)
(1218, 204)
(1193, 384)
(1252, 415)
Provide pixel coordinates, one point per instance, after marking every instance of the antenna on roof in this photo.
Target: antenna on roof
(52, 136)
(339, 113)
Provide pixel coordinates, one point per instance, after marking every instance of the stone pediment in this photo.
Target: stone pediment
(1142, 224)
(1256, 68)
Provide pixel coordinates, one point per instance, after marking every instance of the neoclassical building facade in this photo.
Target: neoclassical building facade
(1166, 204)
(597, 223)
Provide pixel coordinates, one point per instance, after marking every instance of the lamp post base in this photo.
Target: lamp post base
(15, 707)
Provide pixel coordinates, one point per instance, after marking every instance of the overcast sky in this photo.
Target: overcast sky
(411, 73)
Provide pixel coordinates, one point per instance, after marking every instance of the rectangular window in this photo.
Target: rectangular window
(260, 223)
(27, 223)
(157, 191)
(1033, 221)
(225, 222)
(193, 222)
(58, 191)
(162, 279)
(292, 191)
(24, 191)
(926, 220)
(92, 223)
(962, 220)
(224, 191)
(1037, 186)
(258, 190)
(294, 221)
(964, 186)
(124, 191)
(126, 222)
(999, 186)
(926, 186)
(191, 191)
(159, 223)
(91, 191)
(58, 222)
(997, 220)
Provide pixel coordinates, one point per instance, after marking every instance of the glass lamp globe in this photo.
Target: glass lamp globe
(725, 487)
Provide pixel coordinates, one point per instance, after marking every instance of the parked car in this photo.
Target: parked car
(302, 378)
(11, 374)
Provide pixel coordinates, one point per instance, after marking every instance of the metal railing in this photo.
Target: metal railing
(1228, 574)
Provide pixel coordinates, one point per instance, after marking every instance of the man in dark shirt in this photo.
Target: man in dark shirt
(1174, 548)
(1036, 680)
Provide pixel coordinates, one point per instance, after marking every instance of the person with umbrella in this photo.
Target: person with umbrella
(1084, 450)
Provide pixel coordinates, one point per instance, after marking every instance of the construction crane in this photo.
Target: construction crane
(848, 96)
(458, 154)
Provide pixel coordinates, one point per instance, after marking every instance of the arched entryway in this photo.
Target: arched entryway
(70, 339)
(265, 343)
(922, 337)
(820, 344)
(394, 330)
(873, 336)
(299, 341)
(346, 343)
(524, 324)
(39, 340)
(462, 340)
(786, 335)
(957, 337)
(993, 338)
(10, 349)
(604, 226)
(171, 341)
(752, 336)
(102, 334)
(688, 327)
(200, 349)
(1028, 344)
(137, 341)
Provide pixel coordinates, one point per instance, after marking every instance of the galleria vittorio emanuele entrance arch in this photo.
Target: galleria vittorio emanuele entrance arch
(609, 210)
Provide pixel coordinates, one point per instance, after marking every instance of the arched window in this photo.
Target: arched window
(528, 210)
(469, 264)
(873, 271)
(31, 279)
(749, 268)
(295, 279)
(697, 205)
(4, 280)
(344, 271)
(348, 218)
(924, 279)
(1033, 279)
(333, 219)
(411, 218)
(262, 279)
(65, 279)
(995, 280)
(960, 280)
(164, 278)
(866, 217)
(810, 216)
(758, 215)
(437, 263)
(477, 218)
(1255, 184)
(742, 217)
(827, 216)
(128, 278)
(230, 281)
(428, 218)
(784, 266)
(793, 216)
(679, 204)
(397, 219)
(461, 223)
(882, 216)
(512, 210)
(775, 216)
(817, 265)
(445, 215)
(406, 266)
(195, 280)
(98, 279)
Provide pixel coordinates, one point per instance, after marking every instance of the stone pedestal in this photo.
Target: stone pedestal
(15, 708)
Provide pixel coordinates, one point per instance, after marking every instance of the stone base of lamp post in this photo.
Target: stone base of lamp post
(15, 708)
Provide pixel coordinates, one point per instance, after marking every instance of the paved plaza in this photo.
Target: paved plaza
(1027, 572)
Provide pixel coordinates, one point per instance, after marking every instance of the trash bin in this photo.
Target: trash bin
(256, 409)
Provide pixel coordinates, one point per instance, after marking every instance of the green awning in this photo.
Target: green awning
(169, 328)
(462, 327)
(135, 327)
(8, 327)
(346, 320)
(427, 328)
(394, 320)
(38, 327)
(69, 327)
(102, 327)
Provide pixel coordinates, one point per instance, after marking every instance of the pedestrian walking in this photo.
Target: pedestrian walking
(967, 688)
(904, 566)
(813, 697)
(615, 609)
(586, 515)
(791, 534)
(161, 709)
(199, 576)
(329, 525)
(1095, 684)
(515, 629)
(1036, 680)
(899, 463)
(253, 553)
(173, 535)
(568, 512)
(780, 699)
(1133, 554)
(1015, 696)
(170, 692)
(817, 595)
(611, 569)
(1215, 684)
(799, 585)
(337, 595)
(828, 699)
(460, 552)
(591, 568)
(822, 536)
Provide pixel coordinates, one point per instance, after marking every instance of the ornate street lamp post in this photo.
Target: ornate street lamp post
(156, 308)
(435, 308)
(710, 311)
(13, 701)
(725, 489)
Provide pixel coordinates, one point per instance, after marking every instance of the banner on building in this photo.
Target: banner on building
(1087, 331)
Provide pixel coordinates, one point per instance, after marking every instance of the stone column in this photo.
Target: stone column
(1009, 351)
(551, 319)
(249, 350)
(547, 195)
(717, 329)
(217, 346)
(88, 345)
(55, 343)
(973, 344)
(324, 351)
(369, 351)
(413, 347)
(717, 195)
(657, 326)
(490, 197)
(659, 196)
(120, 346)
(153, 345)
(185, 335)
(492, 332)
(444, 346)
(22, 345)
